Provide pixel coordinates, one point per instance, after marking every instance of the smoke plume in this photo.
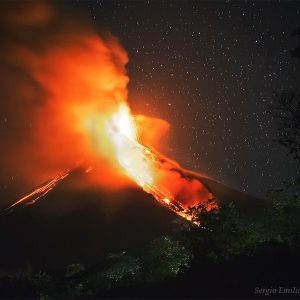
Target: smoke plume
(57, 77)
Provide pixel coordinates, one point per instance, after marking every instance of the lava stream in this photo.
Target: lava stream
(154, 173)
(34, 195)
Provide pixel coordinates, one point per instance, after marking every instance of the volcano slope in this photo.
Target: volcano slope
(69, 225)
(224, 194)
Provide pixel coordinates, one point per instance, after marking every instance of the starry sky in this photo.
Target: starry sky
(210, 68)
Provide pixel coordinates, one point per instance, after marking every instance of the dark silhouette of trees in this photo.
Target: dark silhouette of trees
(286, 111)
(296, 51)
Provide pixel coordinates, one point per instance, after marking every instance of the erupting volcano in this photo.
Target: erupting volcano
(77, 101)
(151, 171)
(119, 121)
(74, 83)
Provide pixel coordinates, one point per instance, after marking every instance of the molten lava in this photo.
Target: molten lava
(150, 170)
(131, 155)
(38, 192)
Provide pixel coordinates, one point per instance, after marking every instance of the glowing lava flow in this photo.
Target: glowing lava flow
(39, 192)
(139, 162)
(131, 155)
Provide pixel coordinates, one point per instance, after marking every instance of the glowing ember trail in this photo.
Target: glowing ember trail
(38, 192)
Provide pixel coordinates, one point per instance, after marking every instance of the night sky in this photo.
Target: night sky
(210, 68)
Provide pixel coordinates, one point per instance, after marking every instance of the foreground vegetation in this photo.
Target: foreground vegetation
(224, 234)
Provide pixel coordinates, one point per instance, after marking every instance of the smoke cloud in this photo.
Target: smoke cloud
(56, 72)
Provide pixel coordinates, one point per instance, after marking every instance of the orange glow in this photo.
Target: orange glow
(79, 112)
(40, 191)
(154, 173)
(121, 130)
(166, 200)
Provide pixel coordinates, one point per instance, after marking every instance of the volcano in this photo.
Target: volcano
(81, 224)
(63, 225)
(78, 108)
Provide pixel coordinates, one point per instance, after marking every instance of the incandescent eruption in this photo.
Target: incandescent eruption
(76, 89)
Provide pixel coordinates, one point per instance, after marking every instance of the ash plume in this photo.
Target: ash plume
(54, 70)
